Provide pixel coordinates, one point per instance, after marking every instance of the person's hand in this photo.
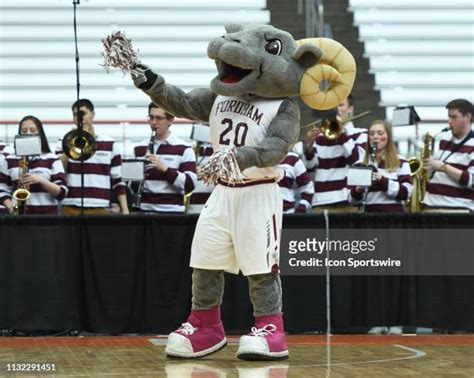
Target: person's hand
(433, 164)
(359, 189)
(30, 178)
(311, 136)
(376, 176)
(156, 162)
(143, 77)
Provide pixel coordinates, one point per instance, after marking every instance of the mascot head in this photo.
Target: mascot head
(268, 62)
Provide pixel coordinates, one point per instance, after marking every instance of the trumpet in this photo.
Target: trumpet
(78, 147)
(333, 128)
(22, 194)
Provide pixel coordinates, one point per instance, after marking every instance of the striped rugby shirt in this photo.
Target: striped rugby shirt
(5, 149)
(47, 165)
(390, 193)
(331, 160)
(295, 174)
(102, 174)
(442, 191)
(202, 191)
(164, 192)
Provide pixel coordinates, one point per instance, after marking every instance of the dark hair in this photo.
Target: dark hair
(83, 102)
(350, 100)
(464, 106)
(153, 105)
(39, 125)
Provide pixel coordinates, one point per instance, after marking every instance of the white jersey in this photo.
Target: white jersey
(243, 121)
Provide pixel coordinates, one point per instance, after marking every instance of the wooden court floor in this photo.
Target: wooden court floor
(310, 356)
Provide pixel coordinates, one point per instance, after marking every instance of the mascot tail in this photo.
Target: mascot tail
(336, 67)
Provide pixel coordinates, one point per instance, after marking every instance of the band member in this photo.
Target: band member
(42, 176)
(295, 175)
(171, 167)
(450, 186)
(391, 185)
(331, 158)
(102, 171)
(5, 149)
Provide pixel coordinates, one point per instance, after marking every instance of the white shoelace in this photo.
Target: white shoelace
(264, 331)
(187, 329)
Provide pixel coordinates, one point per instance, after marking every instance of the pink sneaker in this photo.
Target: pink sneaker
(201, 335)
(266, 341)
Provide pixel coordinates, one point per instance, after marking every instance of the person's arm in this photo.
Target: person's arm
(117, 184)
(122, 201)
(184, 178)
(399, 188)
(5, 185)
(29, 179)
(453, 173)
(305, 187)
(310, 156)
(64, 160)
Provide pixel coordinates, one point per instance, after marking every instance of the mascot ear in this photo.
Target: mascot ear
(307, 55)
(233, 28)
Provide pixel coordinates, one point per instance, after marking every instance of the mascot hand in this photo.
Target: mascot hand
(143, 77)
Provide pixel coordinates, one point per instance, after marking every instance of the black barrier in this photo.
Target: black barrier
(130, 274)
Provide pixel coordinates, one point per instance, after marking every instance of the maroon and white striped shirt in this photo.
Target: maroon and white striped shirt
(164, 192)
(390, 193)
(331, 160)
(295, 175)
(47, 165)
(5, 149)
(202, 191)
(442, 191)
(102, 174)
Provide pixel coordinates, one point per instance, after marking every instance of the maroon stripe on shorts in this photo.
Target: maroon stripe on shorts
(249, 183)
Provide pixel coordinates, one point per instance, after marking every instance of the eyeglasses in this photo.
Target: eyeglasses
(156, 118)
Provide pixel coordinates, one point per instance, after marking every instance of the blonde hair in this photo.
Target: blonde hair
(390, 155)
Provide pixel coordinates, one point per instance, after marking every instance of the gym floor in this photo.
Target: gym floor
(310, 356)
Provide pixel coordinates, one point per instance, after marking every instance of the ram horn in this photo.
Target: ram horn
(336, 67)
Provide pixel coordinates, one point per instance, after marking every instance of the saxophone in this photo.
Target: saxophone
(22, 194)
(420, 174)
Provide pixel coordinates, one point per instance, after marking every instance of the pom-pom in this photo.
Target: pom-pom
(222, 165)
(119, 53)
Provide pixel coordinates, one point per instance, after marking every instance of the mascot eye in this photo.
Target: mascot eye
(274, 47)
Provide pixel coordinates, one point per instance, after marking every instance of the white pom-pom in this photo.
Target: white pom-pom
(222, 165)
(119, 53)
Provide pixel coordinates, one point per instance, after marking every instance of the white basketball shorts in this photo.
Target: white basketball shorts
(239, 229)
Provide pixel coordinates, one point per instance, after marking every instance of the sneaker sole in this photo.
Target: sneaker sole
(253, 356)
(222, 344)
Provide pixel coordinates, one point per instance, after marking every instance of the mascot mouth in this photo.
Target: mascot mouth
(230, 74)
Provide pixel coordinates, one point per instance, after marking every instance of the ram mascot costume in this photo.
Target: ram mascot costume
(254, 122)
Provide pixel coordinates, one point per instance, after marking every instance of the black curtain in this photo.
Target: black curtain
(130, 274)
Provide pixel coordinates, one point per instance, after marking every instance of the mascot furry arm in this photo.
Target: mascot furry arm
(260, 60)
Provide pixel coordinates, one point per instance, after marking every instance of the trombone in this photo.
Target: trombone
(79, 148)
(333, 128)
